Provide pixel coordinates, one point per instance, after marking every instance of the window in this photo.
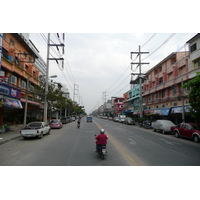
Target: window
(160, 80)
(156, 95)
(174, 90)
(12, 41)
(193, 47)
(163, 93)
(197, 63)
(23, 84)
(13, 79)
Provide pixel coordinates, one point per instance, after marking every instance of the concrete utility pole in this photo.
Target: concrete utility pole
(47, 74)
(75, 89)
(140, 73)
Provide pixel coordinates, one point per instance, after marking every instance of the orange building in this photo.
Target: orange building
(16, 70)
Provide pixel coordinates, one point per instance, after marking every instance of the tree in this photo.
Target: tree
(194, 95)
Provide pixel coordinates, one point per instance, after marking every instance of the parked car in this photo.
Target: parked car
(116, 119)
(35, 129)
(162, 125)
(187, 130)
(64, 120)
(69, 119)
(110, 118)
(122, 118)
(56, 123)
(73, 118)
(129, 121)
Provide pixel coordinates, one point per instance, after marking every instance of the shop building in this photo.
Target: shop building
(18, 75)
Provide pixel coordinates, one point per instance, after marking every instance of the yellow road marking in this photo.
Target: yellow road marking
(123, 151)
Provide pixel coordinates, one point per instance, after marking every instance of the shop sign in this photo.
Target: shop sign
(9, 91)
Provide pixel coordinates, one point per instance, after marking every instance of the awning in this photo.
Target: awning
(157, 111)
(32, 102)
(11, 103)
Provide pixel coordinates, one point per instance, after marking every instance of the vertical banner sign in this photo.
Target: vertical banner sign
(1, 35)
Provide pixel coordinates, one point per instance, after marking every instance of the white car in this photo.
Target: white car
(35, 129)
(162, 125)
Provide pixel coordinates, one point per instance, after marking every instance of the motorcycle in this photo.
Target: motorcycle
(78, 125)
(102, 151)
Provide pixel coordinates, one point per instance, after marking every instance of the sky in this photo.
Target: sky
(99, 63)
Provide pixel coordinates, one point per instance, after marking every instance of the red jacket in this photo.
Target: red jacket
(101, 139)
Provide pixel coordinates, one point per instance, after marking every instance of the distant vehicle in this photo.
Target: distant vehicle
(56, 123)
(162, 125)
(64, 120)
(73, 119)
(116, 119)
(35, 129)
(110, 118)
(129, 121)
(69, 119)
(89, 119)
(187, 130)
(122, 118)
(105, 117)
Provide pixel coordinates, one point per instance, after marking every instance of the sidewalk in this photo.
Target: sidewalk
(13, 134)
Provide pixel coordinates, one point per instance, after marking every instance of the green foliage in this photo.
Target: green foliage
(194, 95)
(56, 100)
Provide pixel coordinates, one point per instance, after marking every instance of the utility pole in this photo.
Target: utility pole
(182, 97)
(26, 102)
(1, 36)
(140, 73)
(104, 96)
(47, 73)
(75, 89)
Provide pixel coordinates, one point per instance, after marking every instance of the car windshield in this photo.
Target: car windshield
(196, 127)
(54, 121)
(34, 125)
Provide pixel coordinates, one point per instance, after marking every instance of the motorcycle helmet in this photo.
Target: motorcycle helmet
(102, 131)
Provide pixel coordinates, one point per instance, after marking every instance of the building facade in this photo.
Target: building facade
(18, 76)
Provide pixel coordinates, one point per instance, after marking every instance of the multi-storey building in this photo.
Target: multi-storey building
(117, 105)
(18, 73)
(194, 59)
(132, 99)
(163, 95)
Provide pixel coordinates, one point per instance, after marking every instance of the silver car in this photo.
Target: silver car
(129, 120)
(162, 125)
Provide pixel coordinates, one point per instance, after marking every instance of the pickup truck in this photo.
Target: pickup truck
(35, 129)
(187, 130)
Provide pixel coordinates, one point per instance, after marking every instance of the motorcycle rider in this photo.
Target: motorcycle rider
(101, 139)
(79, 122)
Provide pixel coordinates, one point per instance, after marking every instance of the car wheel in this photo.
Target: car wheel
(25, 138)
(154, 130)
(163, 132)
(48, 132)
(41, 136)
(196, 138)
(176, 134)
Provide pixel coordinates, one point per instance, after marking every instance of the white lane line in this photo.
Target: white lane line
(15, 153)
(131, 141)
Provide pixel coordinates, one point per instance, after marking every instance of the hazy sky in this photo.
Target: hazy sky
(100, 62)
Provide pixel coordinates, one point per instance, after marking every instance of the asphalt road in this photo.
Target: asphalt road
(127, 146)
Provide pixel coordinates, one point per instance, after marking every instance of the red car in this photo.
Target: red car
(187, 130)
(56, 123)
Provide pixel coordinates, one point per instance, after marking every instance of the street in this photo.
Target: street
(128, 145)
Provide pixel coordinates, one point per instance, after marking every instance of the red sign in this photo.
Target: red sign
(3, 79)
